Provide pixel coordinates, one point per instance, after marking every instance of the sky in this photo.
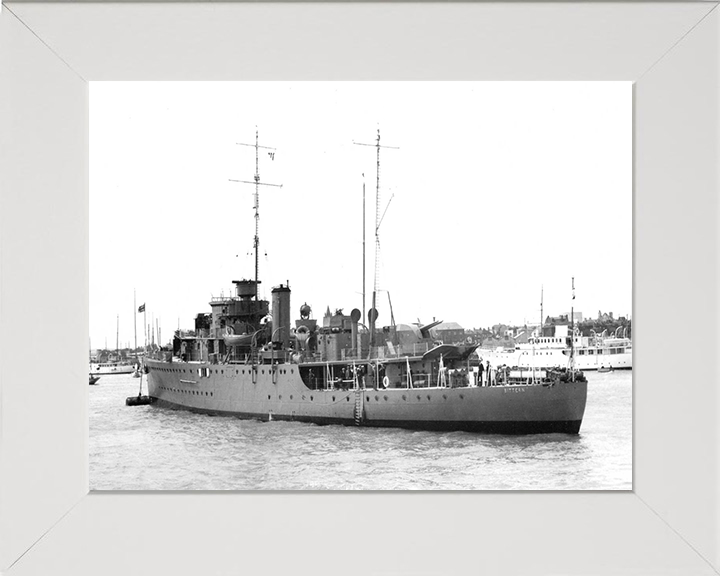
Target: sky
(489, 193)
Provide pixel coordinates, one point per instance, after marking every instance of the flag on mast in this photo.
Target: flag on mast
(141, 308)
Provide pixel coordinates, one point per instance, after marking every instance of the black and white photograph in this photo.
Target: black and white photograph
(360, 286)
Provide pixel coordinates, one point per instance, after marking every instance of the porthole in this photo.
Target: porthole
(291, 397)
(268, 396)
(418, 397)
(377, 398)
(404, 397)
(462, 397)
(385, 398)
(333, 398)
(428, 396)
(311, 398)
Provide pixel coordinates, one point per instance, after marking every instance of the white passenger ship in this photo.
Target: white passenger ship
(590, 352)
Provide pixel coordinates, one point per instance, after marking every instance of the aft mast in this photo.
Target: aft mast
(372, 313)
(363, 242)
(256, 181)
(572, 332)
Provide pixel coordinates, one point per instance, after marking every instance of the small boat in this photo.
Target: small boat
(232, 339)
(93, 380)
(107, 368)
(604, 369)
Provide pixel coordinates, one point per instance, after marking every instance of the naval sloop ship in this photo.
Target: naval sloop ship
(248, 358)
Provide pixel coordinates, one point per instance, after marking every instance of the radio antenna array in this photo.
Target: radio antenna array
(257, 183)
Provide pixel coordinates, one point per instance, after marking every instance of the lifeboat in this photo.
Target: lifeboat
(232, 339)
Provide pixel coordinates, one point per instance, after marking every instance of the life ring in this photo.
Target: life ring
(385, 382)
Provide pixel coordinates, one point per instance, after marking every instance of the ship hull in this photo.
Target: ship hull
(281, 394)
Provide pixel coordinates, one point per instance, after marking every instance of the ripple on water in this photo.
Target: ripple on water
(149, 448)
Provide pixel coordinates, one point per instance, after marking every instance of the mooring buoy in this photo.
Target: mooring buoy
(138, 400)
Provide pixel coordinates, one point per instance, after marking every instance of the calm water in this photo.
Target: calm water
(150, 448)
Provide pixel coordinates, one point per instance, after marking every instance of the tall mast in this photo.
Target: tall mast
(373, 311)
(572, 329)
(256, 181)
(542, 321)
(135, 320)
(363, 287)
(117, 335)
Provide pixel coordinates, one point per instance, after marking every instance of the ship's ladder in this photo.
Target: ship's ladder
(359, 407)
(329, 377)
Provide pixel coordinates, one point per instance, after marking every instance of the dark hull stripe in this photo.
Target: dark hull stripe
(487, 427)
(615, 368)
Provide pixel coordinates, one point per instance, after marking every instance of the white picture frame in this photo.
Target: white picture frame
(669, 524)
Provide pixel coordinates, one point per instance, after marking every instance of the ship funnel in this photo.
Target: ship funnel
(281, 315)
(355, 316)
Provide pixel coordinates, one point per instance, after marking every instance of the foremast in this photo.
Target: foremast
(239, 324)
(256, 203)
